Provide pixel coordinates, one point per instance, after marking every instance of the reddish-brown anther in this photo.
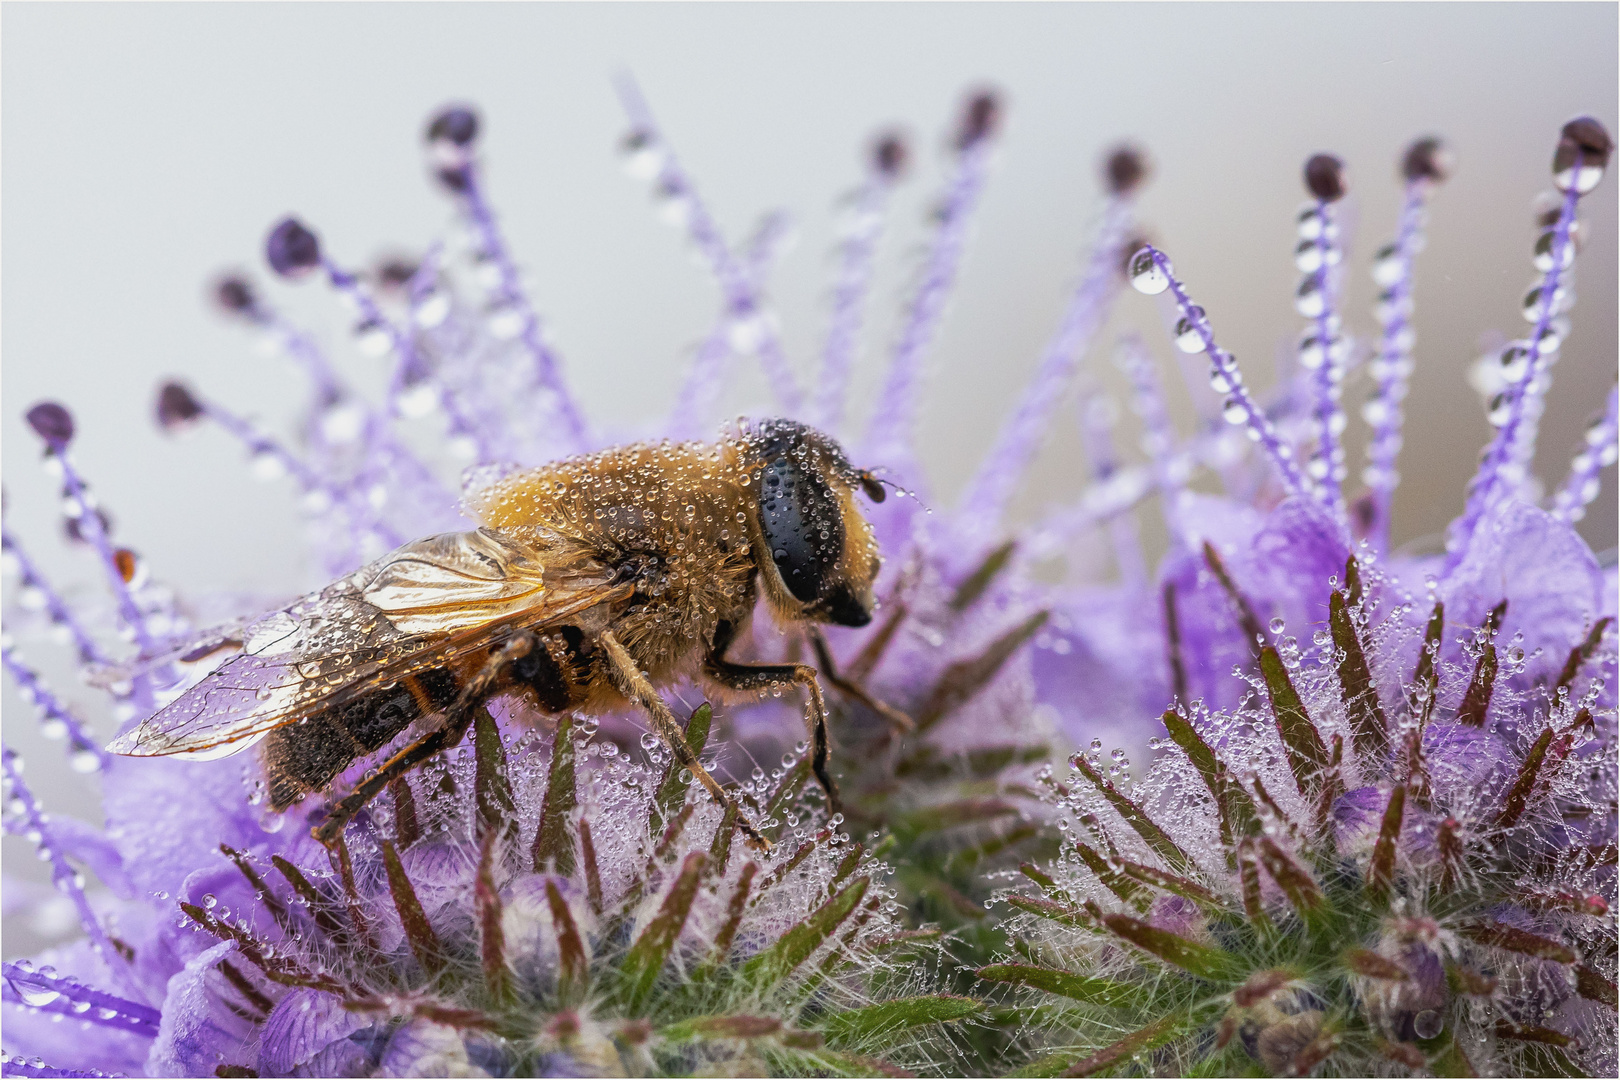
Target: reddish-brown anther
(1427, 159)
(980, 119)
(52, 423)
(1325, 177)
(235, 295)
(1586, 136)
(1126, 170)
(176, 407)
(891, 155)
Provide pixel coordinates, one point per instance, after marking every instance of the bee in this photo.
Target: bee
(590, 583)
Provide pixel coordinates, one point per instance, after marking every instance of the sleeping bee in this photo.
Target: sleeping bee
(591, 582)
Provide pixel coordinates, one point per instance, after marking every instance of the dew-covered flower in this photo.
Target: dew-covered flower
(1386, 848)
(558, 898)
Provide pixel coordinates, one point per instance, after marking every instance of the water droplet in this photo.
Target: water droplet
(1234, 412)
(1189, 338)
(1277, 626)
(1428, 1024)
(1500, 408)
(1147, 277)
(1311, 298)
(1513, 362)
(1387, 267)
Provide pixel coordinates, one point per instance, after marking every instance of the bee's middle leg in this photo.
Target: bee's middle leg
(638, 689)
(457, 719)
(763, 678)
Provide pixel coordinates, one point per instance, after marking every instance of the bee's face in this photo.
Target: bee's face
(820, 557)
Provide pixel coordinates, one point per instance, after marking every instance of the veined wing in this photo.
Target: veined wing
(423, 605)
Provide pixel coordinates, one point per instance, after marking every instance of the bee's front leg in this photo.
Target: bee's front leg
(852, 688)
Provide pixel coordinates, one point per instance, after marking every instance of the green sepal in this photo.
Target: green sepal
(645, 958)
(1369, 727)
(794, 947)
(554, 839)
(1156, 838)
(1307, 756)
(888, 1017)
(1076, 987)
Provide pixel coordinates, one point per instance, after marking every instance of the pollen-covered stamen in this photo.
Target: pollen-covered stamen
(862, 229)
(1583, 152)
(682, 206)
(342, 416)
(56, 720)
(452, 140)
(1097, 416)
(1584, 483)
(1151, 273)
(1323, 349)
(1020, 438)
(293, 251)
(1425, 165)
(178, 407)
(1171, 470)
(54, 425)
(893, 417)
(26, 818)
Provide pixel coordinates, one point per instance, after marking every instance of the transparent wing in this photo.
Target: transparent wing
(426, 604)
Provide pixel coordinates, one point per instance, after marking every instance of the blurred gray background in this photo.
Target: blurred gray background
(146, 146)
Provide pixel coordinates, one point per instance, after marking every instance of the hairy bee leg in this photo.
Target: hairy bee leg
(852, 689)
(457, 719)
(761, 678)
(636, 687)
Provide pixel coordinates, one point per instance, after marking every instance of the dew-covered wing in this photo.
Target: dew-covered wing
(423, 605)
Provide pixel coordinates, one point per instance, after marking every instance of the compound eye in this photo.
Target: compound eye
(802, 524)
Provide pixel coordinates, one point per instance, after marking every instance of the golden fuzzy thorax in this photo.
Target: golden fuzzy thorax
(687, 517)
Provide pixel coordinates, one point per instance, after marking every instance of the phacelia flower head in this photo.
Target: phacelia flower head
(1379, 831)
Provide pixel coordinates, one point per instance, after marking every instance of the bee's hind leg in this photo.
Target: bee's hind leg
(457, 719)
(634, 685)
(762, 678)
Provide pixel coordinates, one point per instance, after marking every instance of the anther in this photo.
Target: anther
(980, 119)
(235, 295)
(1324, 177)
(890, 155)
(291, 249)
(1126, 169)
(177, 409)
(1427, 159)
(52, 423)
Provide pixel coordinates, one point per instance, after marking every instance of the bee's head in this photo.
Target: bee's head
(818, 556)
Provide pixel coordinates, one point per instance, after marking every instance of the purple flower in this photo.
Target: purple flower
(553, 899)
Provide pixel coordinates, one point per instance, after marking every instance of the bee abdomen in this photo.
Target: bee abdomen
(305, 756)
